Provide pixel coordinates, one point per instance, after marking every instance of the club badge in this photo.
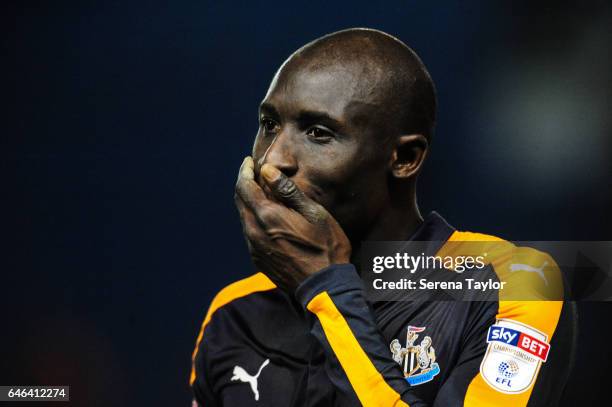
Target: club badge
(514, 356)
(417, 361)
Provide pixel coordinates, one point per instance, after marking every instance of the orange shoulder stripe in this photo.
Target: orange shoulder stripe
(255, 283)
(541, 315)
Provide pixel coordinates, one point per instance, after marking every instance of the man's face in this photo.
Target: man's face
(325, 128)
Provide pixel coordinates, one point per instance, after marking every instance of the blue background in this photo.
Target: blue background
(124, 124)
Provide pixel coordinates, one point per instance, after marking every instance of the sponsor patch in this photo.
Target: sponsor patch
(514, 356)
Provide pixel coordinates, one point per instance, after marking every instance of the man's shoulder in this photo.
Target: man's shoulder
(243, 288)
(533, 290)
(252, 284)
(519, 265)
(230, 296)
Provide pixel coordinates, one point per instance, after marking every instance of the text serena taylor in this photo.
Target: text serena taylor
(424, 284)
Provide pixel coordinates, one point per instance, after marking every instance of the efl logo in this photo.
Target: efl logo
(521, 340)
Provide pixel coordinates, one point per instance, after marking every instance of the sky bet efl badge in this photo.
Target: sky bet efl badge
(514, 356)
(417, 360)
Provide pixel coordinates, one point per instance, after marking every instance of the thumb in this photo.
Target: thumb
(286, 191)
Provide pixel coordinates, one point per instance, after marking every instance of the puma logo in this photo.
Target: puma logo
(530, 269)
(243, 376)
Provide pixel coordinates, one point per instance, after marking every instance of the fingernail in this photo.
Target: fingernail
(270, 173)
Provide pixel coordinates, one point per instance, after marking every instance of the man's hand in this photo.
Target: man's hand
(289, 238)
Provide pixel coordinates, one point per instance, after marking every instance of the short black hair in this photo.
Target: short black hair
(408, 86)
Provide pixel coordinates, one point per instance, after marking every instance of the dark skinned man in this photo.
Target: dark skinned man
(344, 130)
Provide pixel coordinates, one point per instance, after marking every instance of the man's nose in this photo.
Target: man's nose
(281, 154)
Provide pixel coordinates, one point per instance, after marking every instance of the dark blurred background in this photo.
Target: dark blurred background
(124, 125)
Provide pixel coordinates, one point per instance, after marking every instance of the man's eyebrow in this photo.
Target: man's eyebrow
(305, 117)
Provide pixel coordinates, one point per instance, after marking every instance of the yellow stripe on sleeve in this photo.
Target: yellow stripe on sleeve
(541, 315)
(255, 283)
(368, 383)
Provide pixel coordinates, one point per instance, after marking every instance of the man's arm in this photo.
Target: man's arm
(201, 389)
(200, 377)
(530, 344)
(359, 362)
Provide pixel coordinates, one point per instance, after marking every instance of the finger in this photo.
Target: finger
(266, 213)
(286, 191)
(251, 228)
(246, 188)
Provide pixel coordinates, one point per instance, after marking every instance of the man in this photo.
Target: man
(344, 130)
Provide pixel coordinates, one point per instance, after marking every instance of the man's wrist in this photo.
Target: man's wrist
(333, 279)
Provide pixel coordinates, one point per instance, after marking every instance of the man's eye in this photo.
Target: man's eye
(270, 126)
(319, 134)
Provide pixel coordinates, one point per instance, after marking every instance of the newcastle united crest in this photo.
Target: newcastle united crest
(417, 361)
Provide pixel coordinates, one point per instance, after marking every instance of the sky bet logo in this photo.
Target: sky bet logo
(525, 342)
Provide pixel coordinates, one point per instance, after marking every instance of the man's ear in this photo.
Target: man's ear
(408, 155)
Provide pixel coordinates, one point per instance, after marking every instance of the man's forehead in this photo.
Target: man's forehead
(340, 90)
